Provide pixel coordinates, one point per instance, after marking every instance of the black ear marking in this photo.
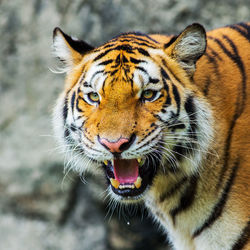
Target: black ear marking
(78, 45)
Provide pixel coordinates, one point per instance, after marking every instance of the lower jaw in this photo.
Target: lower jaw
(130, 194)
(135, 193)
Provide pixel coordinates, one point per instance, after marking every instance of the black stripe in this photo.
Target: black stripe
(164, 74)
(132, 82)
(237, 59)
(65, 109)
(124, 59)
(190, 108)
(77, 104)
(102, 54)
(173, 75)
(134, 35)
(143, 51)
(179, 125)
(133, 40)
(215, 56)
(172, 40)
(106, 62)
(137, 61)
(245, 32)
(177, 98)
(219, 206)
(96, 73)
(146, 44)
(142, 35)
(207, 85)
(103, 86)
(191, 111)
(173, 190)
(141, 146)
(159, 118)
(168, 99)
(186, 199)
(180, 151)
(117, 61)
(240, 102)
(85, 84)
(73, 127)
(213, 60)
(141, 69)
(73, 101)
(108, 45)
(65, 115)
(243, 238)
(66, 134)
(113, 72)
(153, 80)
(125, 47)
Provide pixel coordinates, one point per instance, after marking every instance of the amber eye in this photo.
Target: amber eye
(148, 95)
(93, 97)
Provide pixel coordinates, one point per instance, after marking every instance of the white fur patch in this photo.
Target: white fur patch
(62, 51)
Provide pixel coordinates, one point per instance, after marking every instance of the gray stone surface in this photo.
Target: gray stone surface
(36, 211)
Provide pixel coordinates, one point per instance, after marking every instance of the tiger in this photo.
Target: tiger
(164, 119)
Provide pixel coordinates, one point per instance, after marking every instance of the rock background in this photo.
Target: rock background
(39, 208)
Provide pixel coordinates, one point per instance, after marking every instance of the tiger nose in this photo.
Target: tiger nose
(117, 146)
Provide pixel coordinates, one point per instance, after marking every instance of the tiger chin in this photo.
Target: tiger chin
(165, 120)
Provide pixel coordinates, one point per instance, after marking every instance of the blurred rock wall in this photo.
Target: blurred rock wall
(40, 209)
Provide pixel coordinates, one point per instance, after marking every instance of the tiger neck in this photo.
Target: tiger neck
(173, 202)
(180, 196)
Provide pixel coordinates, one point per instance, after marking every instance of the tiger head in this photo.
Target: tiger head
(130, 109)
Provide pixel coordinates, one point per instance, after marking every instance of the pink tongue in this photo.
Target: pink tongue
(126, 171)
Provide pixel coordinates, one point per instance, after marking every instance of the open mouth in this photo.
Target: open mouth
(129, 177)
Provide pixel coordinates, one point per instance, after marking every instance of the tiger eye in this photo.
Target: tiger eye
(148, 94)
(93, 97)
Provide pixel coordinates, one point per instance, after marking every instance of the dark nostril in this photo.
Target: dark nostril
(127, 145)
(117, 146)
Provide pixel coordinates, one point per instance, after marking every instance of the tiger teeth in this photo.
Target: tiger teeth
(115, 183)
(138, 181)
(140, 161)
(126, 186)
(105, 162)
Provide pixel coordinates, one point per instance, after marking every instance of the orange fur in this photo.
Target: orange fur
(206, 204)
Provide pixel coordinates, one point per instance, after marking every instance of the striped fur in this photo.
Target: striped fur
(196, 124)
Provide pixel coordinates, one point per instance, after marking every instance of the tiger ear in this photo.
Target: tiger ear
(69, 50)
(188, 47)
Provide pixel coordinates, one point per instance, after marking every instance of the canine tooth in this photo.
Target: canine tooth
(140, 161)
(105, 162)
(115, 183)
(138, 181)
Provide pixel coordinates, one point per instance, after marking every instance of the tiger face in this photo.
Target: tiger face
(126, 114)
